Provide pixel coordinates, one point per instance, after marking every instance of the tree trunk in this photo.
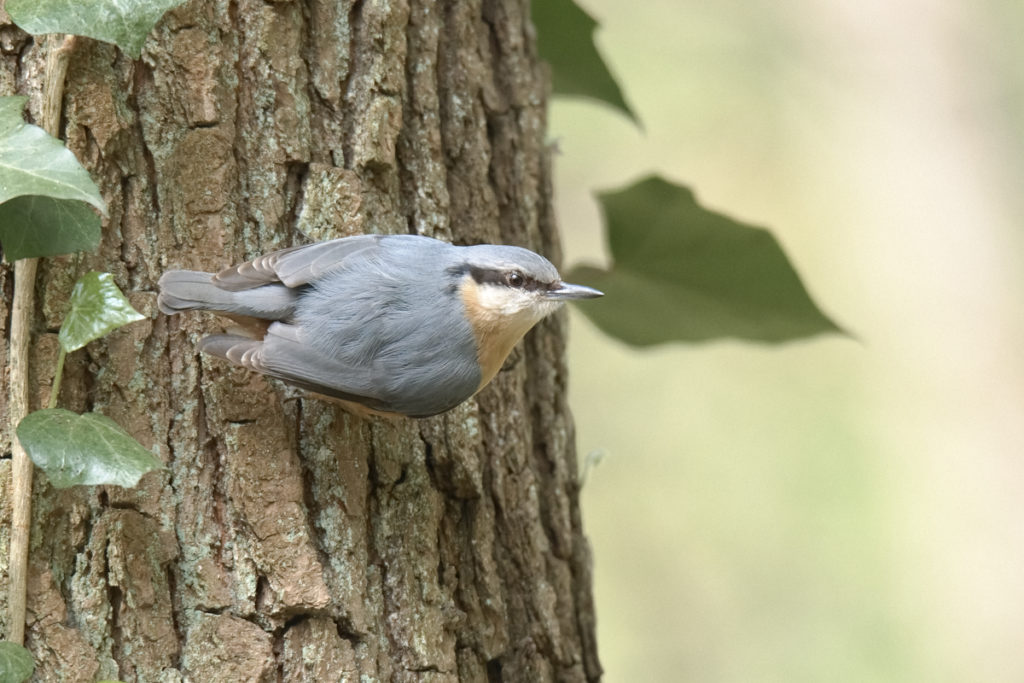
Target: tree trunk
(287, 539)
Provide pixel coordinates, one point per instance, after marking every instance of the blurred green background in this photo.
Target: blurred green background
(829, 510)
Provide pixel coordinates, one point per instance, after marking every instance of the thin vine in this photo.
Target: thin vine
(59, 50)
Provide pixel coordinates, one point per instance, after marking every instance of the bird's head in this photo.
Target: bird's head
(506, 291)
(502, 283)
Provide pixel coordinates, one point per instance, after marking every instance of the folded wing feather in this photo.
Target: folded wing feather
(295, 266)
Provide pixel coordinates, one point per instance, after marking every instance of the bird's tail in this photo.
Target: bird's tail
(232, 347)
(192, 290)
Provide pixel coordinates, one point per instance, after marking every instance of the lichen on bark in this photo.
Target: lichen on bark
(288, 539)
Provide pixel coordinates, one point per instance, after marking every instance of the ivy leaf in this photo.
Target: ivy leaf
(16, 663)
(125, 23)
(565, 39)
(97, 308)
(33, 225)
(684, 273)
(33, 162)
(41, 187)
(83, 449)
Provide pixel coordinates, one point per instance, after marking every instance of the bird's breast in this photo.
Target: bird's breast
(495, 334)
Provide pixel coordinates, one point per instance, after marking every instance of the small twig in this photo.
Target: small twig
(60, 47)
(21, 465)
(21, 334)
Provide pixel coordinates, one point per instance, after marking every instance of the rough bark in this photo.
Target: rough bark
(288, 539)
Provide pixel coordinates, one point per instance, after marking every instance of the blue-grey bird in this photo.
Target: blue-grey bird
(397, 323)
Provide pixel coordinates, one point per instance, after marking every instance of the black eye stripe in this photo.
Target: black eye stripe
(505, 278)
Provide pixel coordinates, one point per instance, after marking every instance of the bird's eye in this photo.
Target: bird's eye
(515, 279)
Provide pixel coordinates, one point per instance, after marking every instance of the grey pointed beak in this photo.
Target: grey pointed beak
(567, 292)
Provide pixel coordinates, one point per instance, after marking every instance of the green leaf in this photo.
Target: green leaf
(42, 186)
(83, 449)
(125, 23)
(16, 663)
(97, 308)
(32, 162)
(683, 273)
(33, 226)
(565, 39)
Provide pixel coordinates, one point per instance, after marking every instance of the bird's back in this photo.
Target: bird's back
(389, 326)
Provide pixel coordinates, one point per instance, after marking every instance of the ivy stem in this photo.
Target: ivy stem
(22, 310)
(21, 465)
(58, 374)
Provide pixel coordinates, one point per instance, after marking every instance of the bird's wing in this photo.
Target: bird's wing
(295, 266)
(283, 356)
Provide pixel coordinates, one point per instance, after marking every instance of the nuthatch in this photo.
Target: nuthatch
(400, 324)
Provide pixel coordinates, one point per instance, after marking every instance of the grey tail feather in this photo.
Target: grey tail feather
(190, 290)
(231, 347)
